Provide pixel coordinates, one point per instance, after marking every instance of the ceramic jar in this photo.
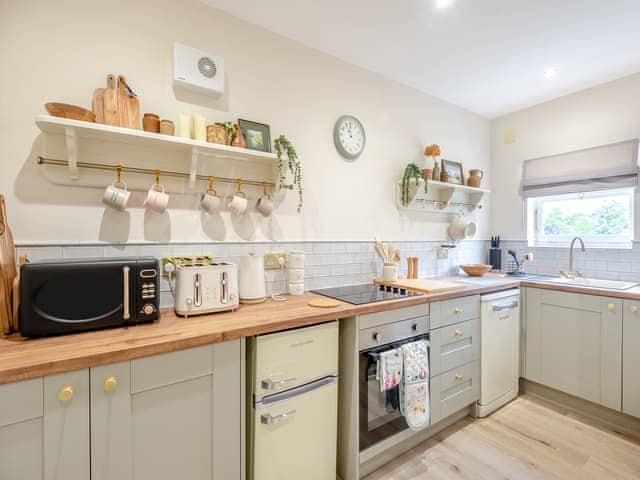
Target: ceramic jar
(475, 178)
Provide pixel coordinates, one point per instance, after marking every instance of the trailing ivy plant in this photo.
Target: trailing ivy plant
(410, 171)
(283, 145)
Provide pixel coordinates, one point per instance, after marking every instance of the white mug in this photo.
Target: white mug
(296, 275)
(461, 229)
(157, 200)
(265, 205)
(116, 196)
(296, 288)
(238, 203)
(296, 259)
(211, 202)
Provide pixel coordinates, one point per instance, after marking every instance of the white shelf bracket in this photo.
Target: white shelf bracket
(72, 151)
(447, 196)
(194, 166)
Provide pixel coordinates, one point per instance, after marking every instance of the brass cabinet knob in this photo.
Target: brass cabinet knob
(459, 377)
(110, 384)
(611, 306)
(458, 333)
(66, 393)
(633, 308)
(457, 310)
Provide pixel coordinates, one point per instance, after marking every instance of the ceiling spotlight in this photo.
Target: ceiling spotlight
(550, 73)
(442, 4)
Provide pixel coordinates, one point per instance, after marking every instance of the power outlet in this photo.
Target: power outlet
(443, 253)
(272, 260)
(199, 260)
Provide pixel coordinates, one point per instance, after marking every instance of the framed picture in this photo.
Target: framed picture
(454, 171)
(257, 135)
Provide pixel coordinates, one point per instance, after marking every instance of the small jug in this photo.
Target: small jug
(475, 178)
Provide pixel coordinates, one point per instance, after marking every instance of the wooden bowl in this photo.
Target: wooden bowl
(73, 112)
(476, 269)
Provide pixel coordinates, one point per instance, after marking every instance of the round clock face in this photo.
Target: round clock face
(349, 137)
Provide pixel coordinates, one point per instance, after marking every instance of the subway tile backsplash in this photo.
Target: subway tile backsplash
(327, 264)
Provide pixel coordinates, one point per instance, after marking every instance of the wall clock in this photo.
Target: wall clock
(349, 137)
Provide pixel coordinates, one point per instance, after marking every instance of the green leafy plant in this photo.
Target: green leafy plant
(410, 171)
(230, 130)
(282, 146)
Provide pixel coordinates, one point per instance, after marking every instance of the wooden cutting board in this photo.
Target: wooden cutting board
(128, 106)
(110, 102)
(422, 286)
(97, 104)
(8, 270)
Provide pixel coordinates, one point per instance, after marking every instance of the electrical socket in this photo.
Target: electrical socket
(443, 253)
(272, 260)
(199, 260)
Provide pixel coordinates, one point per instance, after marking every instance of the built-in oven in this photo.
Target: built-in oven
(380, 416)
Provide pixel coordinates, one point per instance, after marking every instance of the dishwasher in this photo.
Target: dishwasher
(499, 350)
(293, 394)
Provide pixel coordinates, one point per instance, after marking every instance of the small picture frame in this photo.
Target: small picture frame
(256, 135)
(454, 171)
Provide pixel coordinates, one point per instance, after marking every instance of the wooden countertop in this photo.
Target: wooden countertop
(21, 359)
(630, 294)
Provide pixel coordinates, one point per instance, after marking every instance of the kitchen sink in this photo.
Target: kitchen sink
(593, 283)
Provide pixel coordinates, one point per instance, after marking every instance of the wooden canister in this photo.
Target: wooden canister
(151, 123)
(216, 134)
(166, 127)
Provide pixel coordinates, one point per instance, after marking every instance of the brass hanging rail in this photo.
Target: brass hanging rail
(147, 171)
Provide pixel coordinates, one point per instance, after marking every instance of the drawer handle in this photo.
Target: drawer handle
(268, 419)
(377, 337)
(66, 394)
(269, 384)
(458, 377)
(110, 384)
(457, 310)
(611, 306)
(633, 308)
(458, 333)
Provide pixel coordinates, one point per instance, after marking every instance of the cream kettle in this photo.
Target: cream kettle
(251, 283)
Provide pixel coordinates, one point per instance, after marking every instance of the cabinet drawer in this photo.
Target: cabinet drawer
(454, 311)
(454, 345)
(20, 401)
(454, 390)
(285, 359)
(371, 337)
(391, 316)
(169, 368)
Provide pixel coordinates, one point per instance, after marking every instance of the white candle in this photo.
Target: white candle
(184, 125)
(199, 128)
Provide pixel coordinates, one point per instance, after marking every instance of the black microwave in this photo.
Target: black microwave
(76, 295)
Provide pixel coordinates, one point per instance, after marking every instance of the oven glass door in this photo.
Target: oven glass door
(380, 416)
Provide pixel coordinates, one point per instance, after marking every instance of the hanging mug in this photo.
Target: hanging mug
(157, 200)
(238, 203)
(265, 204)
(116, 195)
(211, 202)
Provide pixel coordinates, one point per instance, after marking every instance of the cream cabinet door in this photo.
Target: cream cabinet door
(175, 415)
(631, 359)
(44, 428)
(574, 344)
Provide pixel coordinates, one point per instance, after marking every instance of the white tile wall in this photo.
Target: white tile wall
(327, 264)
(608, 264)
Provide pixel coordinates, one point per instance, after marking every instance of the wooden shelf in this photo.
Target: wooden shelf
(76, 129)
(442, 197)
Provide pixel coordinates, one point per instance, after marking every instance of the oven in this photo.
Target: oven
(66, 296)
(380, 416)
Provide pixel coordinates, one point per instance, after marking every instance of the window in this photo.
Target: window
(604, 218)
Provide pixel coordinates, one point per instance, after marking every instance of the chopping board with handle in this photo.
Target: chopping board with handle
(110, 102)
(8, 270)
(128, 106)
(423, 285)
(97, 104)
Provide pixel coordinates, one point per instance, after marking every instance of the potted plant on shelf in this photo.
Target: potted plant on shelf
(410, 179)
(432, 151)
(293, 166)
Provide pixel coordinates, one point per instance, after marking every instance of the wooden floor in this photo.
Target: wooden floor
(527, 439)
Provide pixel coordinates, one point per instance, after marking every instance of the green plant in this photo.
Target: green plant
(230, 129)
(410, 171)
(283, 145)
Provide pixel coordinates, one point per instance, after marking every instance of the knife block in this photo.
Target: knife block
(495, 258)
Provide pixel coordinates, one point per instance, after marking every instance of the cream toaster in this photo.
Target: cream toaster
(206, 288)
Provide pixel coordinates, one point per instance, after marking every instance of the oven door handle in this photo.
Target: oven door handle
(126, 314)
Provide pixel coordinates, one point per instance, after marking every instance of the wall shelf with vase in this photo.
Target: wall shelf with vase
(441, 197)
(74, 130)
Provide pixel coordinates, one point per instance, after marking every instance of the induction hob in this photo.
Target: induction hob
(368, 293)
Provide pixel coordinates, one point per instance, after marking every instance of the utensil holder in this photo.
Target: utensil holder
(390, 272)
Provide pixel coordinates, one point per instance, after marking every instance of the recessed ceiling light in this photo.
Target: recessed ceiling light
(550, 73)
(442, 4)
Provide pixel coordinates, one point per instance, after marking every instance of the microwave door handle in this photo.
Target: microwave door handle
(125, 293)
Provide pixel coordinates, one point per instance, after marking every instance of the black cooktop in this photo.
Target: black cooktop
(369, 293)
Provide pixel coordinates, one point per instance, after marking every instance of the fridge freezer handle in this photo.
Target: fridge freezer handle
(268, 419)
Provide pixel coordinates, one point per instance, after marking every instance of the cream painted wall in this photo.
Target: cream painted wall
(62, 50)
(597, 116)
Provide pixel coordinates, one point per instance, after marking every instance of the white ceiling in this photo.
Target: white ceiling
(488, 56)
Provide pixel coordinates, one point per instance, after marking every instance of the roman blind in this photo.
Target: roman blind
(592, 169)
